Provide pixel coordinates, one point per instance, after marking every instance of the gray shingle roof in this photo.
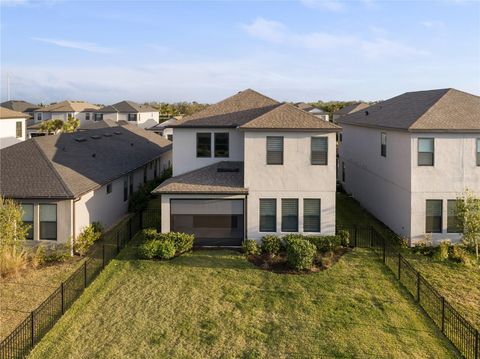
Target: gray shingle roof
(217, 178)
(20, 106)
(59, 166)
(434, 110)
(69, 106)
(351, 108)
(126, 107)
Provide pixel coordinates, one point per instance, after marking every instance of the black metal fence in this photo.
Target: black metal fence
(29, 332)
(462, 334)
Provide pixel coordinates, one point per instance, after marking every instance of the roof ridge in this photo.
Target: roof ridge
(60, 179)
(431, 108)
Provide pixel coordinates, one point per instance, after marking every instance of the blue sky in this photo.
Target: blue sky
(107, 51)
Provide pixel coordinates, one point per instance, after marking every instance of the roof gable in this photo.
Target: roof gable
(20, 106)
(6, 113)
(351, 108)
(126, 107)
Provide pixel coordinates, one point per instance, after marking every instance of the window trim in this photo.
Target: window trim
(210, 149)
(40, 221)
(215, 144)
(135, 115)
(319, 215)
(282, 224)
(17, 129)
(441, 216)
(433, 151)
(283, 151)
(323, 138)
(260, 215)
(383, 146)
(30, 223)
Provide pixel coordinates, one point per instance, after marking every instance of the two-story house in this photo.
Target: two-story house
(12, 127)
(144, 116)
(250, 166)
(407, 159)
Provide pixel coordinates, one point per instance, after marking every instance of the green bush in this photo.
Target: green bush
(250, 246)
(148, 249)
(288, 238)
(271, 244)
(300, 253)
(89, 235)
(441, 252)
(325, 243)
(149, 234)
(165, 249)
(460, 255)
(139, 199)
(183, 241)
(159, 245)
(58, 253)
(344, 237)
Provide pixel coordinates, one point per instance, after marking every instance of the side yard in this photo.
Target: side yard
(217, 304)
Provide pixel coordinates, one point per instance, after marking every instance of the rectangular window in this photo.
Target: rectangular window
(426, 149)
(145, 174)
(434, 216)
(343, 172)
(319, 149)
(311, 215)
(39, 117)
(478, 151)
(109, 188)
(27, 218)
(98, 116)
(155, 169)
(290, 215)
(453, 225)
(268, 215)
(87, 116)
(204, 144)
(383, 146)
(274, 150)
(170, 137)
(125, 188)
(132, 117)
(18, 129)
(131, 184)
(48, 221)
(221, 144)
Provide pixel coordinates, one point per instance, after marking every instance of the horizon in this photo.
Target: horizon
(294, 51)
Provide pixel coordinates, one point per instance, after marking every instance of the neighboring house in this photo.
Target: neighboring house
(144, 116)
(65, 182)
(317, 112)
(164, 128)
(80, 110)
(21, 106)
(348, 109)
(249, 166)
(12, 127)
(408, 158)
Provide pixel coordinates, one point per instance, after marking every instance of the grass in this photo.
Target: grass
(217, 304)
(20, 295)
(459, 284)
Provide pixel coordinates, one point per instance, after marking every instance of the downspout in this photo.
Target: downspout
(74, 201)
(245, 231)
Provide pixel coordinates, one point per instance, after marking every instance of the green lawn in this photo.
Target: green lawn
(459, 284)
(216, 304)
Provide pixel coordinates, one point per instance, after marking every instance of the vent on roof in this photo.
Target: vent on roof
(95, 137)
(231, 170)
(117, 133)
(80, 139)
(107, 134)
(366, 113)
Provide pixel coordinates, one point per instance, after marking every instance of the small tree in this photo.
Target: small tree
(71, 124)
(51, 127)
(468, 215)
(12, 228)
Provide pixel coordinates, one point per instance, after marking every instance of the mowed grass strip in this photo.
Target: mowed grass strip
(215, 304)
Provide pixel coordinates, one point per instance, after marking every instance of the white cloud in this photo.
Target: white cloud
(433, 24)
(330, 5)
(269, 30)
(79, 45)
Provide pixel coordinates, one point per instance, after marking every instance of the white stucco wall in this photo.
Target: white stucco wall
(185, 149)
(8, 131)
(148, 119)
(296, 178)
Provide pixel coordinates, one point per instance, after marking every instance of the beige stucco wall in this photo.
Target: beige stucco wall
(8, 131)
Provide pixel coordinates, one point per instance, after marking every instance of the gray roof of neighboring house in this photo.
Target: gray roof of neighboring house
(20, 106)
(69, 106)
(351, 108)
(162, 125)
(6, 113)
(126, 107)
(106, 123)
(61, 167)
(306, 107)
(444, 110)
(221, 177)
(251, 110)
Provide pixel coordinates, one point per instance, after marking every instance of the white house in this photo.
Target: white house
(250, 166)
(65, 182)
(317, 112)
(165, 128)
(12, 127)
(407, 159)
(144, 116)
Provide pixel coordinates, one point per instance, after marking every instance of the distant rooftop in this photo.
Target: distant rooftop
(126, 107)
(6, 113)
(69, 106)
(19, 105)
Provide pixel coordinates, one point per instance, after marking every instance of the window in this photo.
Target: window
(221, 144)
(478, 151)
(98, 117)
(18, 129)
(39, 117)
(274, 150)
(426, 148)
(48, 221)
(343, 171)
(155, 169)
(125, 188)
(311, 215)
(132, 117)
(204, 144)
(319, 148)
(383, 146)
(290, 215)
(340, 137)
(87, 116)
(27, 218)
(130, 190)
(453, 225)
(433, 216)
(170, 137)
(145, 174)
(109, 188)
(268, 215)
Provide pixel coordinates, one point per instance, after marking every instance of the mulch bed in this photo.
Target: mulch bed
(278, 263)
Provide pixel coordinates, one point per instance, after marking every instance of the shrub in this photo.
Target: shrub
(148, 249)
(165, 249)
(441, 252)
(58, 254)
(139, 199)
(89, 235)
(271, 244)
(300, 253)
(183, 241)
(38, 256)
(13, 259)
(250, 247)
(460, 255)
(344, 237)
(288, 238)
(149, 234)
(325, 243)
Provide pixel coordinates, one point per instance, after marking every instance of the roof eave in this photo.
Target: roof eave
(291, 129)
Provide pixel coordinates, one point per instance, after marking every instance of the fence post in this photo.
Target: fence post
(118, 243)
(443, 314)
(103, 256)
(355, 235)
(371, 236)
(477, 344)
(418, 287)
(399, 266)
(85, 274)
(63, 301)
(33, 329)
(384, 249)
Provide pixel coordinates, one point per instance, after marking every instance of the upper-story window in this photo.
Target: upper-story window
(87, 116)
(319, 149)
(478, 151)
(221, 144)
(132, 117)
(426, 152)
(204, 144)
(98, 116)
(274, 150)
(18, 129)
(39, 116)
(383, 145)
